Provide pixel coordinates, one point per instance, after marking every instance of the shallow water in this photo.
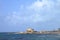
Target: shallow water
(5, 36)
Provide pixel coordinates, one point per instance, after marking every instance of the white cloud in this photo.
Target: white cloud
(38, 11)
(43, 8)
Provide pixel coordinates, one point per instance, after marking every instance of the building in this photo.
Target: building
(32, 31)
(29, 30)
(58, 29)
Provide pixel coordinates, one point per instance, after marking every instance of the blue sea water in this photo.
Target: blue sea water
(6, 36)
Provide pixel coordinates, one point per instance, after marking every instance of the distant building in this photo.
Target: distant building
(30, 30)
(58, 29)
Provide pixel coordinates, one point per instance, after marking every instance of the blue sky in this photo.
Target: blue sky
(18, 15)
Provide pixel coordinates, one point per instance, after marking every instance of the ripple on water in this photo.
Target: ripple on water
(29, 37)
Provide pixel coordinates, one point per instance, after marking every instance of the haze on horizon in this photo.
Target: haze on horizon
(18, 15)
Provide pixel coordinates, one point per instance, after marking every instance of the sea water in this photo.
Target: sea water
(6, 36)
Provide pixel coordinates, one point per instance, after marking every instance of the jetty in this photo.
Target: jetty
(32, 31)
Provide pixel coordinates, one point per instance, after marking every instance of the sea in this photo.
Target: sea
(8, 36)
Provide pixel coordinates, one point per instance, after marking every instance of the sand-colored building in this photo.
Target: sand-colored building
(29, 30)
(32, 31)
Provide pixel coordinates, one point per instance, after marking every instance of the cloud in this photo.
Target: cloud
(38, 11)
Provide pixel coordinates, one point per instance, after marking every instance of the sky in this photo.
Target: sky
(18, 15)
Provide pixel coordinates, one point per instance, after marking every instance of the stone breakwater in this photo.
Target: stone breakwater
(32, 31)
